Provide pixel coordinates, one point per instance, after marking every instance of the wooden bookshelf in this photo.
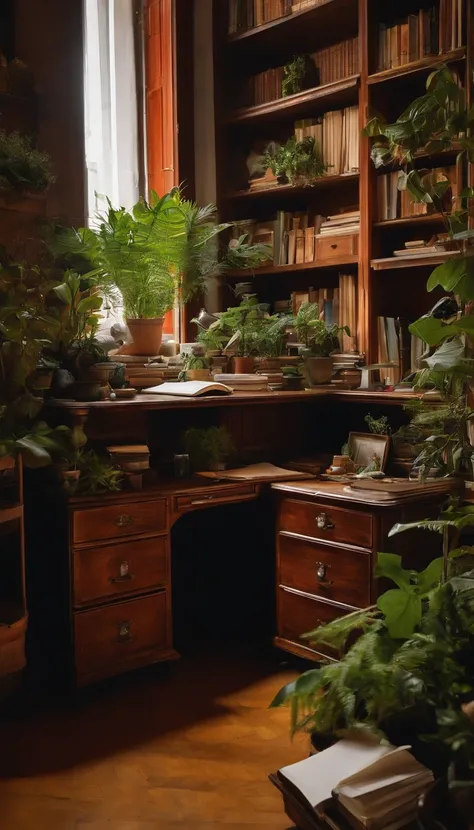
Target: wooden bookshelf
(243, 54)
(338, 94)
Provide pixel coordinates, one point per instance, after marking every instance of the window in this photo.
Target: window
(111, 106)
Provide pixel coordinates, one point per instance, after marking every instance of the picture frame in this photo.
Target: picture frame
(364, 445)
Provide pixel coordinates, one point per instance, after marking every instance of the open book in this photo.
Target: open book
(257, 472)
(190, 389)
(373, 786)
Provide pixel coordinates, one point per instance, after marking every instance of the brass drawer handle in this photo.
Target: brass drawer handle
(124, 631)
(124, 520)
(204, 500)
(125, 575)
(324, 522)
(321, 569)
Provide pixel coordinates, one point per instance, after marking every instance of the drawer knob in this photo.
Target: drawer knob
(334, 246)
(324, 521)
(203, 500)
(125, 575)
(124, 631)
(124, 520)
(321, 573)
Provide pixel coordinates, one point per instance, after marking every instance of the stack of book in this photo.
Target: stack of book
(428, 32)
(370, 786)
(418, 248)
(393, 203)
(340, 224)
(338, 61)
(246, 14)
(140, 373)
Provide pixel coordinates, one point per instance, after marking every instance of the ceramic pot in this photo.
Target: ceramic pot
(147, 335)
(197, 374)
(318, 370)
(244, 365)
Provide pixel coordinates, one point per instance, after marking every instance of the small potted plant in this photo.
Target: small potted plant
(319, 342)
(209, 449)
(299, 162)
(244, 324)
(42, 378)
(270, 341)
(292, 378)
(194, 367)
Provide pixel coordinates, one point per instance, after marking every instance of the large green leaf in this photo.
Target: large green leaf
(89, 304)
(431, 330)
(33, 455)
(449, 274)
(389, 565)
(402, 612)
(431, 576)
(448, 356)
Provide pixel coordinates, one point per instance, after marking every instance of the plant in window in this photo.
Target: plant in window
(22, 166)
(301, 162)
(157, 254)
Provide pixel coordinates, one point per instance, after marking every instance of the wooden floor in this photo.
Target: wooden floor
(188, 746)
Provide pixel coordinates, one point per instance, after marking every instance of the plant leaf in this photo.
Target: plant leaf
(402, 612)
(389, 565)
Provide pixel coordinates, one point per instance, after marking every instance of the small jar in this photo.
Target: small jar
(181, 465)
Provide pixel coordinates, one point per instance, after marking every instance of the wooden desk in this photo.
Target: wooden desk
(326, 547)
(114, 549)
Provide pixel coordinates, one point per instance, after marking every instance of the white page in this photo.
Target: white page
(189, 388)
(318, 776)
(396, 766)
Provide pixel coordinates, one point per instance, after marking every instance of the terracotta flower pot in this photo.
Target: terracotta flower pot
(147, 335)
(319, 370)
(244, 365)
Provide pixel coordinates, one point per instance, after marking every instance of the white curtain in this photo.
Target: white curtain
(111, 107)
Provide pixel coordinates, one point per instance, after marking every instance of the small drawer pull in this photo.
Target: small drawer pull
(324, 522)
(124, 631)
(334, 246)
(321, 573)
(125, 575)
(204, 500)
(124, 520)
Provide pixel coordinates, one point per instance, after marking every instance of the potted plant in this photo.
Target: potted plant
(22, 166)
(299, 162)
(209, 449)
(159, 253)
(243, 323)
(41, 378)
(195, 367)
(270, 341)
(292, 378)
(96, 475)
(319, 341)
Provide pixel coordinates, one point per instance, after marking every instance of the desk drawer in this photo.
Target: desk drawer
(331, 573)
(119, 637)
(113, 521)
(214, 496)
(297, 615)
(116, 570)
(335, 247)
(326, 523)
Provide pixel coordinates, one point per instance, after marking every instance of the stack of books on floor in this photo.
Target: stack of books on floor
(365, 785)
(339, 224)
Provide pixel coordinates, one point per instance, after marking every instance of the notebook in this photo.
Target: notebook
(190, 389)
(374, 786)
(257, 472)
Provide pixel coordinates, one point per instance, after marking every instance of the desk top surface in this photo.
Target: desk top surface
(157, 402)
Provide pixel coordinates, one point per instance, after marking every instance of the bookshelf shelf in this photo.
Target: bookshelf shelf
(410, 221)
(321, 21)
(9, 514)
(396, 263)
(286, 190)
(417, 66)
(338, 94)
(300, 266)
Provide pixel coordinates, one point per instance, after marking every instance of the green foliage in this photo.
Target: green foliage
(298, 161)
(158, 252)
(291, 372)
(241, 255)
(271, 334)
(207, 448)
(212, 338)
(394, 687)
(243, 324)
(297, 73)
(316, 335)
(22, 166)
(378, 426)
(97, 474)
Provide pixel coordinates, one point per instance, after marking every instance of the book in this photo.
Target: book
(374, 786)
(190, 389)
(257, 472)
